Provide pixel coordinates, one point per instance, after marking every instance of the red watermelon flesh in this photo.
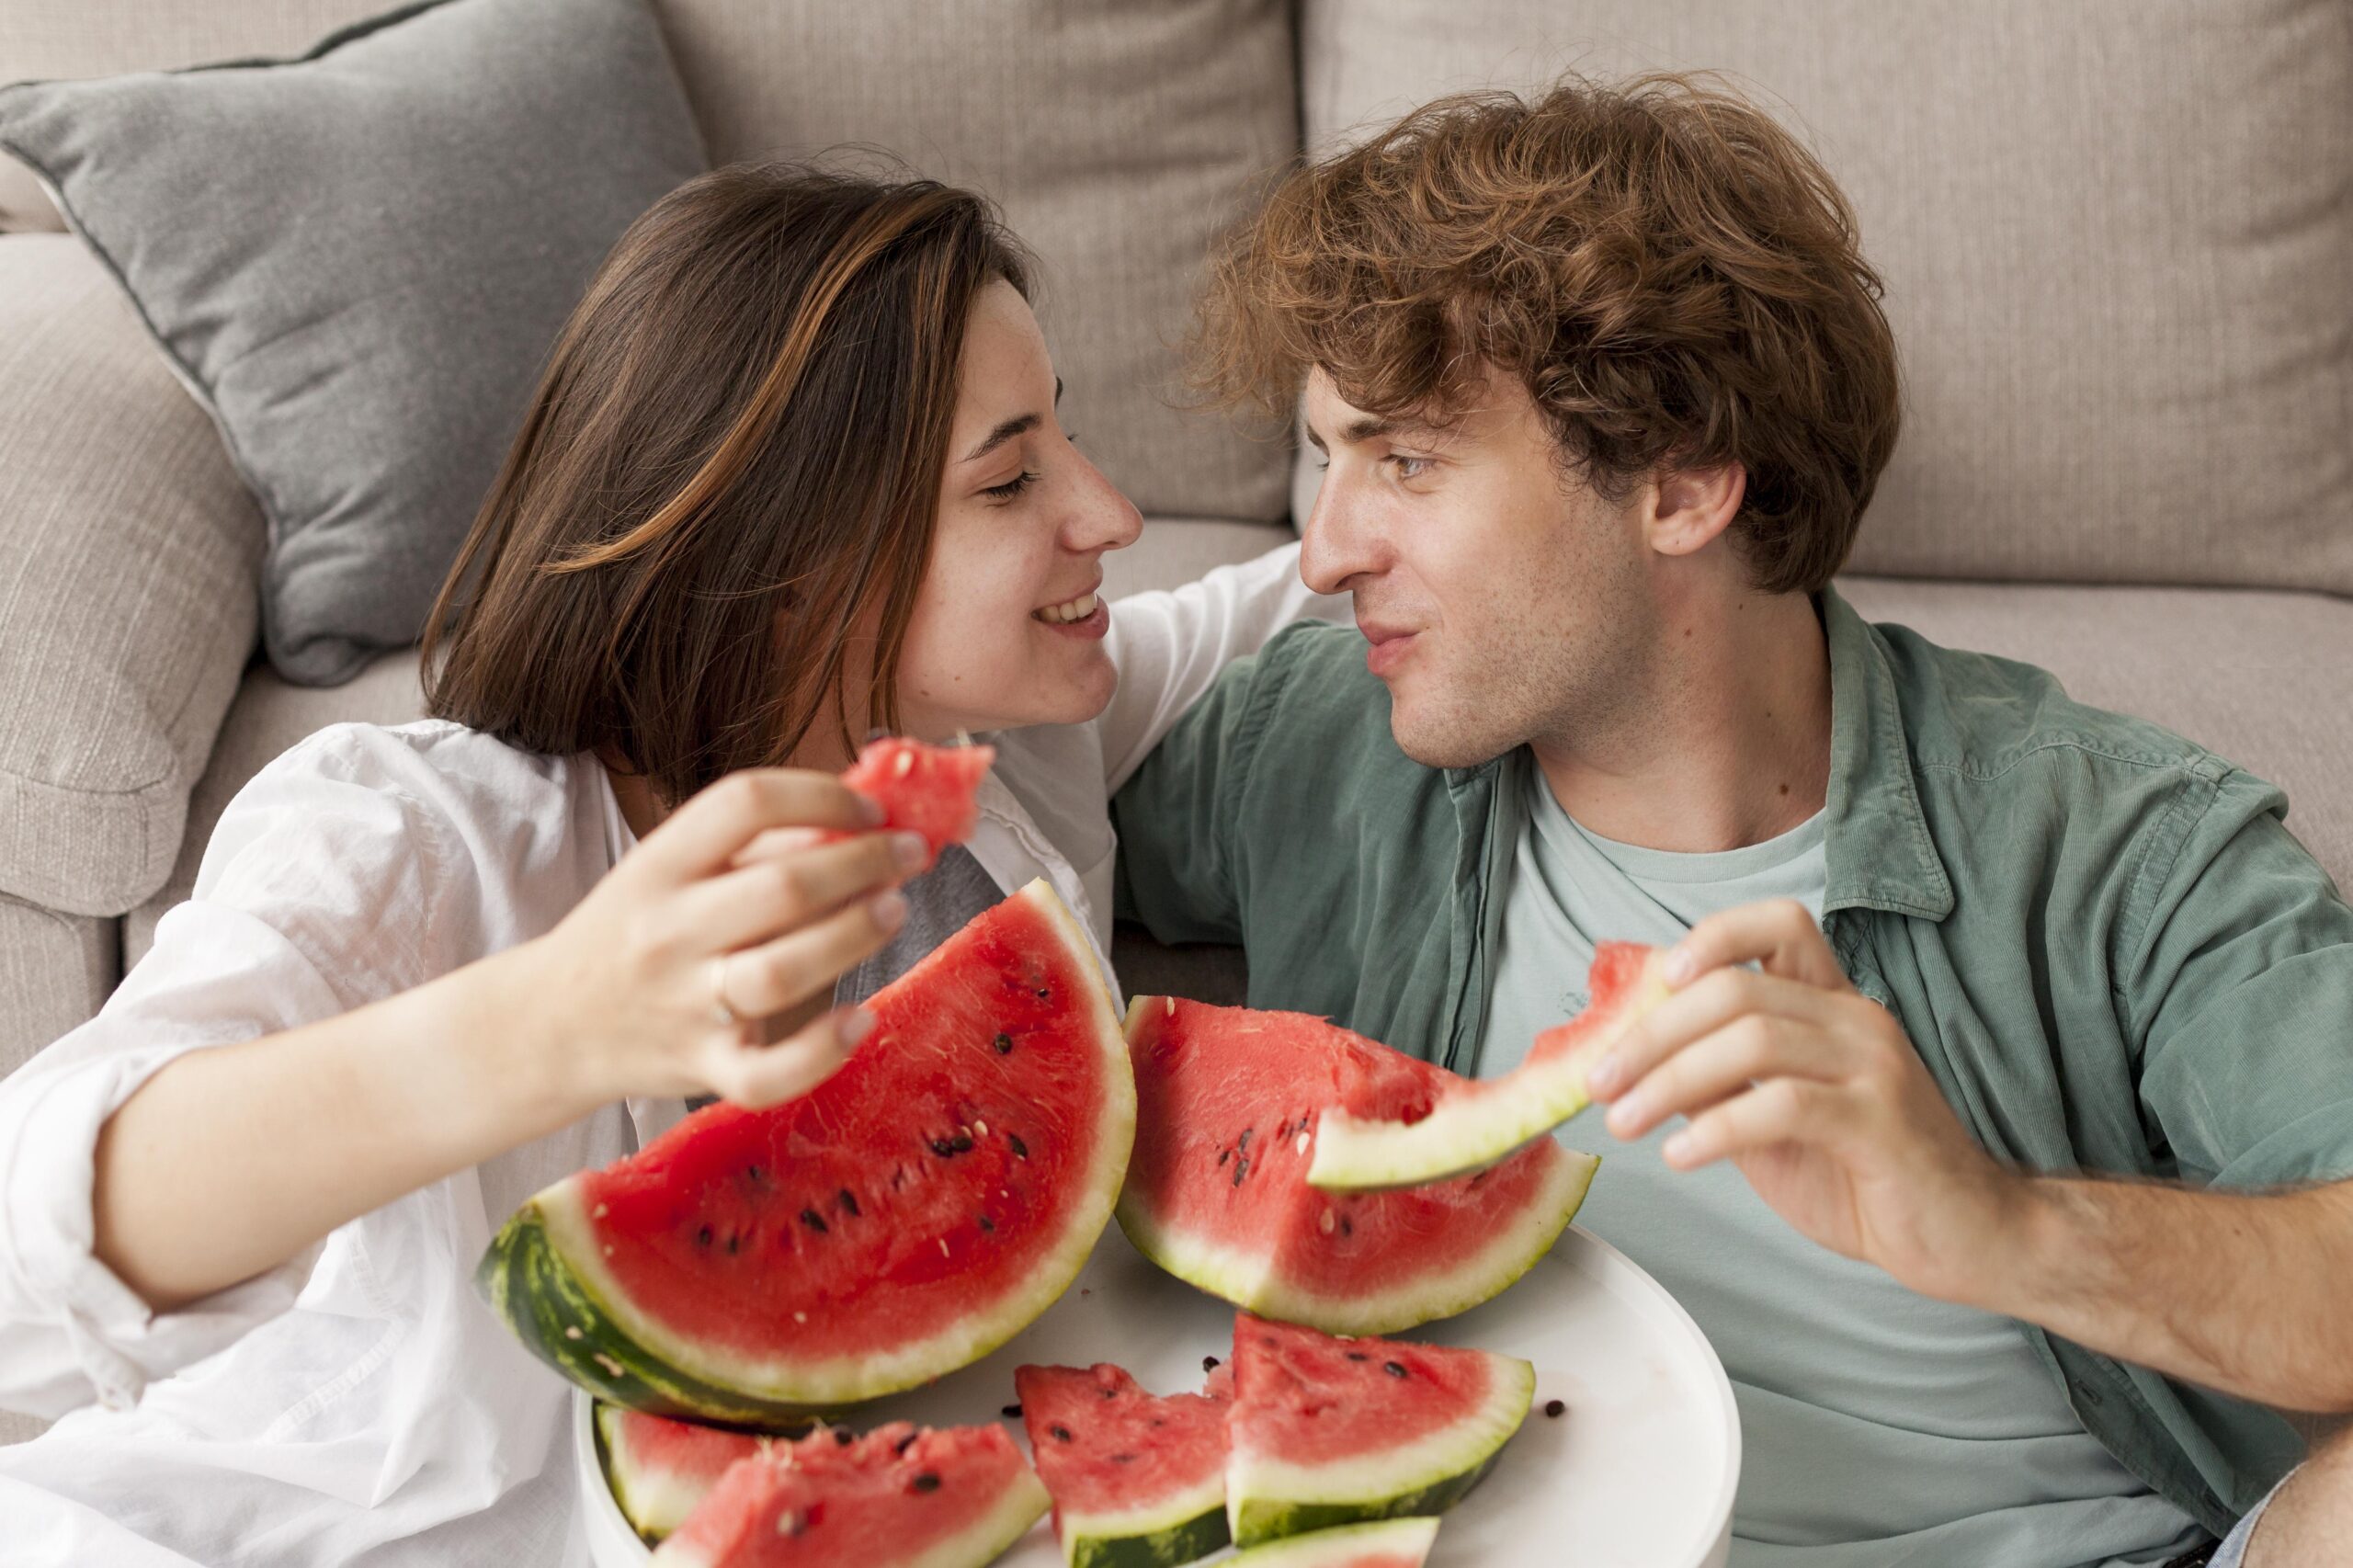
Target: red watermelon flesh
(1327, 1430)
(923, 788)
(908, 1216)
(952, 1498)
(660, 1469)
(1470, 1125)
(1230, 1104)
(1135, 1477)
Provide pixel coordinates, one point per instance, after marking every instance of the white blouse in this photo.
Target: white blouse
(359, 1404)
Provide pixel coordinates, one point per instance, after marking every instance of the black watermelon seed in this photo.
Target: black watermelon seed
(1348, 1226)
(702, 1237)
(987, 1224)
(1062, 1434)
(1156, 1421)
(1123, 1459)
(1241, 1169)
(752, 1173)
(1223, 1155)
(1011, 1411)
(926, 1482)
(794, 1524)
(961, 1142)
(849, 1203)
(1243, 1142)
(943, 1148)
(1394, 1368)
(1004, 1045)
(842, 1437)
(814, 1221)
(1043, 992)
(732, 1242)
(1359, 1356)
(1108, 1393)
(1552, 1407)
(1020, 1150)
(904, 1444)
(1208, 1363)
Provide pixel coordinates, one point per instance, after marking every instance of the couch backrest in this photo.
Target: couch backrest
(2117, 237)
(1116, 136)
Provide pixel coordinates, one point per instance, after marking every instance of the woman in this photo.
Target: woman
(794, 473)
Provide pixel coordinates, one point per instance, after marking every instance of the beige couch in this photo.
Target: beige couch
(2116, 238)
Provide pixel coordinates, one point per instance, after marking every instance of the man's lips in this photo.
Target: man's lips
(1388, 646)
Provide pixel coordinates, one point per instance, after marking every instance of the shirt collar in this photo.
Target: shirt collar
(1877, 848)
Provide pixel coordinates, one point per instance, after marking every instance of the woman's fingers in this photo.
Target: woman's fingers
(756, 1075)
(771, 897)
(760, 981)
(706, 833)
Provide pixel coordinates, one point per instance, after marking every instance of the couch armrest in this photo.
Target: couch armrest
(128, 549)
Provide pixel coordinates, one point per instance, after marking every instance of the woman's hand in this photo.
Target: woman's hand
(730, 921)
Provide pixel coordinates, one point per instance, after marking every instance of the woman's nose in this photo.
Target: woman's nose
(1102, 519)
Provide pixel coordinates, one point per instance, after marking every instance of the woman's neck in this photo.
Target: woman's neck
(643, 806)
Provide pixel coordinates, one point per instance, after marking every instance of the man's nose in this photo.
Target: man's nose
(1336, 545)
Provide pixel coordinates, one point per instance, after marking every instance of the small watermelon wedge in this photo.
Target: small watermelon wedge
(660, 1469)
(1230, 1102)
(949, 1498)
(901, 1220)
(1327, 1431)
(1384, 1543)
(1136, 1479)
(1474, 1124)
(923, 788)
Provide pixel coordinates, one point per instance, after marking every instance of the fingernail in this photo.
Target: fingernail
(1677, 1149)
(1625, 1116)
(911, 850)
(872, 811)
(853, 1025)
(1602, 1082)
(1680, 966)
(889, 910)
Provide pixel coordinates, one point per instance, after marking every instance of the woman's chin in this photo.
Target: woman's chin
(1074, 699)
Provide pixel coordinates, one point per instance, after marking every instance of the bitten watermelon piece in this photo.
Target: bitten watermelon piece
(660, 1469)
(1327, 1431)
(904, 1218)
(923, 788)
(1136, 1479)
(1230, 1104)
(1472, 1125)
(951, 1498)
(1385, 1543)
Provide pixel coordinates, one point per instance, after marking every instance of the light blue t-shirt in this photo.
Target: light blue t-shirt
(1878, 1426)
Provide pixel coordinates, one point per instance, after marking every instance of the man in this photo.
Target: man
(1604, 388)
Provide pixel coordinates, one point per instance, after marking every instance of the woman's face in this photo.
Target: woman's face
(1008, 624)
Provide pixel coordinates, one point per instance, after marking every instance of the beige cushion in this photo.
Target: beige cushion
(54, 971)
(1116, 136)
(127, 556)
(102, 37)
(2257, 677)
(2114, 232)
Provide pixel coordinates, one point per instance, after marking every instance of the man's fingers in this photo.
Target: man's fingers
(769, 897)
(1754, 1047)
(1709, 1004)
(1780, 1111)
(1780, 934)
(756, 1075)
(707, 830)
(768, 978)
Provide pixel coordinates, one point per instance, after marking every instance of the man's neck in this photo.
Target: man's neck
(1729, 745)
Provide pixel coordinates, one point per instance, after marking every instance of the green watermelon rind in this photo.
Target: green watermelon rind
(1334, 1548)
(1024, 1503)
(1249, 1283)
(1180, 1529)
(1268, 1499)
(543, 1276)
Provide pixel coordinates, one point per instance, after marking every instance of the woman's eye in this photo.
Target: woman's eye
(1011, 488)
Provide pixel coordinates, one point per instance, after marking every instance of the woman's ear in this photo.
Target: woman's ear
(1688, 507)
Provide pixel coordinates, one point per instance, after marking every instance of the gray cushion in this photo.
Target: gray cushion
(359, 261)
(2114, 234)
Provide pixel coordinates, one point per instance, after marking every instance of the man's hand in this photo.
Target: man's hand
(1814, 1093)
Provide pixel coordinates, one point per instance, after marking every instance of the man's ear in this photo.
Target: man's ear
(1688, 507)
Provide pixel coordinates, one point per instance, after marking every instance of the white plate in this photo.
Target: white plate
(1638, 1472)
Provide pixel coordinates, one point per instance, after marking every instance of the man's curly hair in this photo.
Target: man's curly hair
(1673, 277)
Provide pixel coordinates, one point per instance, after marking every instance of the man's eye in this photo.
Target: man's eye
(1409, 467)
(1011, 488)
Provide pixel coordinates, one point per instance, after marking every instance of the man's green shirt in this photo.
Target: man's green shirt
(2103, 942)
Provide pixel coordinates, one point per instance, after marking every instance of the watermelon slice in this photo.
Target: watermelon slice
(1135, 1480)
(1474, 1124)
(660, 1469)
(1385, 1543)
(1229, 1103)
(904, 1218)
(954, 1498)
(923, 788)
(1327, 1431)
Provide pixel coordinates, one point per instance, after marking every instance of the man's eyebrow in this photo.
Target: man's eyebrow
(1367, 427)
(1020, 425)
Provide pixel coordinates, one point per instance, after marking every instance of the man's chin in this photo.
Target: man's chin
(1436, 741)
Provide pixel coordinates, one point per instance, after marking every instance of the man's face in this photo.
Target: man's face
(1501, 599)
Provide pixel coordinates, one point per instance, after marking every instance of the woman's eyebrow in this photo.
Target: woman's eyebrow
(1020, 424)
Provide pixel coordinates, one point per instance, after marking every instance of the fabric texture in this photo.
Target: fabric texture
(2106, 949)
(2114, 236)
(1116, 139)
(358, 261)
(55, 971)
(126, 553)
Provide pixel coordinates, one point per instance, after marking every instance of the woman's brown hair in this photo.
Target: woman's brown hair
(729, 472)
(1674, 277)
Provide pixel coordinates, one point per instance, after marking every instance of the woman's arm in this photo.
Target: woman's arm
(229, 1161)
(1169, 647)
